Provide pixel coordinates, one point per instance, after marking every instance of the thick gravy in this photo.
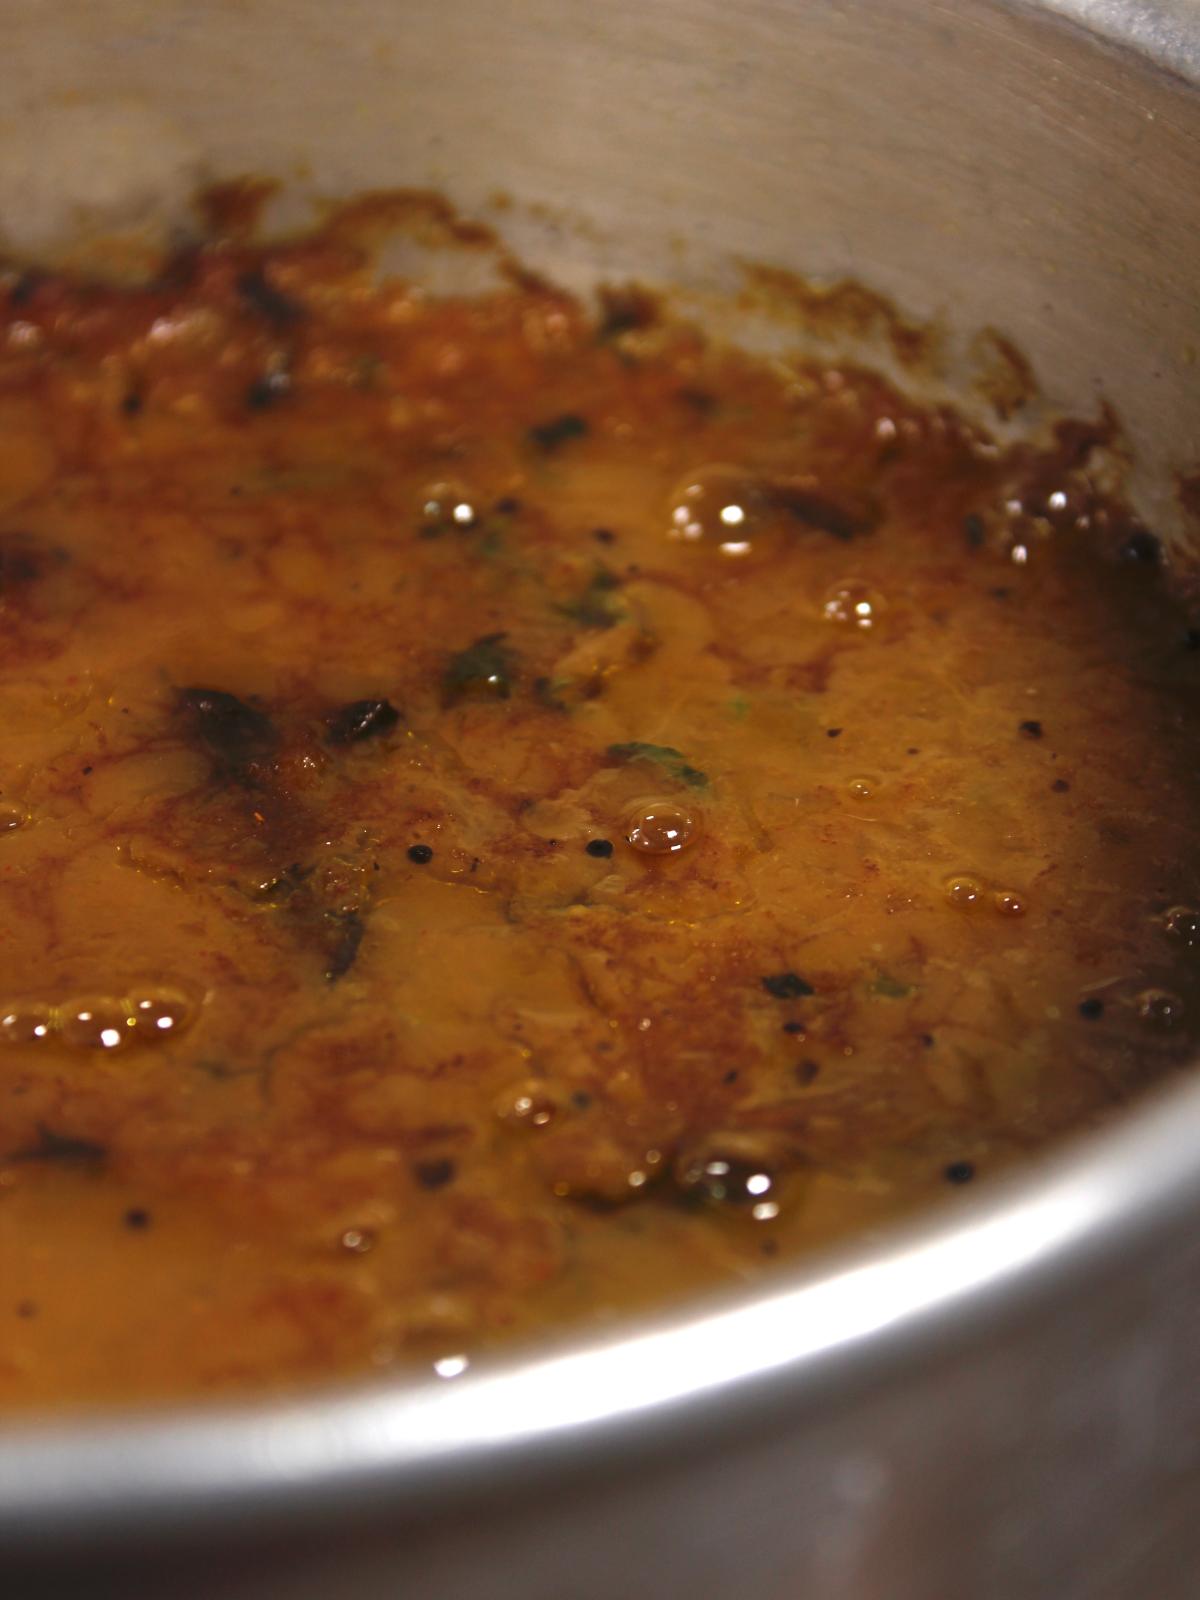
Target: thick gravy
(510, 817)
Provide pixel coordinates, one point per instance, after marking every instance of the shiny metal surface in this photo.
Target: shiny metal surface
(1002, 1402)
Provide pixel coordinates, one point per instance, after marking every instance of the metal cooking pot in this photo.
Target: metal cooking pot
(1001, 1402)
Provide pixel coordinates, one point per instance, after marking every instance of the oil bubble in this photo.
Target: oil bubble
(641, 1175)
(534, 1103)
(963, 891)
(852, 603)
(1009, 902)
(733, 1170)
(723, 507)
(863, 787)
(94, 1022)
(159, 1012)
(1159, 1009)
(662, 828)
(25, 1022)
(1183, 923)
(448, 507)
(12, 816)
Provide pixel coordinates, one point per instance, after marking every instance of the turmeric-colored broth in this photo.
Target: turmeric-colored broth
(510, 817)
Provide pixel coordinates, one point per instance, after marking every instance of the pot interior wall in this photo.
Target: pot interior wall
(982, 164)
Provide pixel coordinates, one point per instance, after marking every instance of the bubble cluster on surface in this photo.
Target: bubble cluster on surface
(147, 1015)
(967, 892)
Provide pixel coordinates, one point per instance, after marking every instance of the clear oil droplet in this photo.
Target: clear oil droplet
(735, 1170)
(963, 891)
(448, 507)
(159, 1012)
(532, 1104)
(662, 828)
(1009, 903)
(853, 604)
(724, 508)
(1159, 1010)
(25, 1022)
(94, 1022)
(1183, 923)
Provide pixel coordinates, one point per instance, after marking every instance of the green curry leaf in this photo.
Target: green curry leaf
(598, 605)
(485, 667)
(672, 761)
(892, 988)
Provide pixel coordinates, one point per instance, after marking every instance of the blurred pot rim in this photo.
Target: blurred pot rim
(1162, 31)
(809, 1338)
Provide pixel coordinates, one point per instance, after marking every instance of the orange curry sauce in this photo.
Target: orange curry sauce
(511, 816)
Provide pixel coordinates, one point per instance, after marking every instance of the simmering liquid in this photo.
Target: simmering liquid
(506, 818)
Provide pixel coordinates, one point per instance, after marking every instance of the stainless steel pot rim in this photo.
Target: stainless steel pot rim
(808, 1339)
(1164, 31)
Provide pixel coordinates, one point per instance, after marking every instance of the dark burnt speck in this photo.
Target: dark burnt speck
(68, 1148)
(434, 1174)
(347, 933)
(137, 1218)
(22, 562)
(1031, 729)
(361, 719)
(625, 310)
(1140, 549)
(842, 518)
(787, 986)
(261, 296)
(24, 288)
(233, 732)
(266, 391)
(959, 1172)
(698, 401)
(420, 854)
(1091, 1009)
(551, 436)
(600, 848)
